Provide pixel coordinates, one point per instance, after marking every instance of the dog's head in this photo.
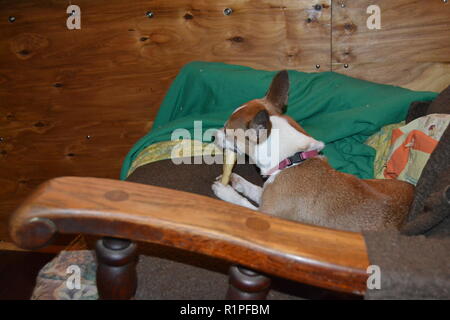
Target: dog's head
(260, 129)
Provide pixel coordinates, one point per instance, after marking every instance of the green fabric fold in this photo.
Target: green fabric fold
(339, 110)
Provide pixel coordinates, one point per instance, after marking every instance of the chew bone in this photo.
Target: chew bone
(229, 160)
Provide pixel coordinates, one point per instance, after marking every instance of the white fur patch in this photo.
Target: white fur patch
(227, 193)
(284, 140)
(248, 189)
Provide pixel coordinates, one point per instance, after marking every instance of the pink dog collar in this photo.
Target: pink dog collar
(296, 158)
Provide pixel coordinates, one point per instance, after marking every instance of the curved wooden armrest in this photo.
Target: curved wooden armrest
(313, 255)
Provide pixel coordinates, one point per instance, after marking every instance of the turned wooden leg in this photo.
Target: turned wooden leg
(246, 284)
(116, 270)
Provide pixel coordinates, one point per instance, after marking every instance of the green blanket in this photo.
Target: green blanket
(336, 109)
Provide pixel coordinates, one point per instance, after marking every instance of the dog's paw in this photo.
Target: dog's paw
(237, 182)
(225, 192)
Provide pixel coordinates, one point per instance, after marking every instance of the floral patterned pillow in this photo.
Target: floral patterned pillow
(56, 280)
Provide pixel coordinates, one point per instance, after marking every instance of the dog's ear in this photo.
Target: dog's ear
(261, 126)
(277, 96)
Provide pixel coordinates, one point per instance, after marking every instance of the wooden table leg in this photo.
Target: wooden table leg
(116, 270)
(246, 284)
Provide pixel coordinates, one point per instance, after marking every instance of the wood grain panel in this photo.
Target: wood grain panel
(106, 81)
(412, 49)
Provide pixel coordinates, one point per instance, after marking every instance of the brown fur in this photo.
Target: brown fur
(241, 118)
(315, 193)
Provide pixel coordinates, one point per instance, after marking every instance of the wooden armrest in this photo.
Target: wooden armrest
(318, 256)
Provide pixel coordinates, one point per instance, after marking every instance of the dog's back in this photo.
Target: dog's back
(315, 193)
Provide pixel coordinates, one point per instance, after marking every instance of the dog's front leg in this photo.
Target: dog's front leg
(227, 193)
(248, 189)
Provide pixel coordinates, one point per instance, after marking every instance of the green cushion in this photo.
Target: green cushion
(336, 109)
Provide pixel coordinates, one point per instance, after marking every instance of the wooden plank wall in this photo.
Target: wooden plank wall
(412, 48)
(72, 102)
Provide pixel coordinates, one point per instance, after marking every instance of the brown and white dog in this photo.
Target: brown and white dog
(302, 185)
